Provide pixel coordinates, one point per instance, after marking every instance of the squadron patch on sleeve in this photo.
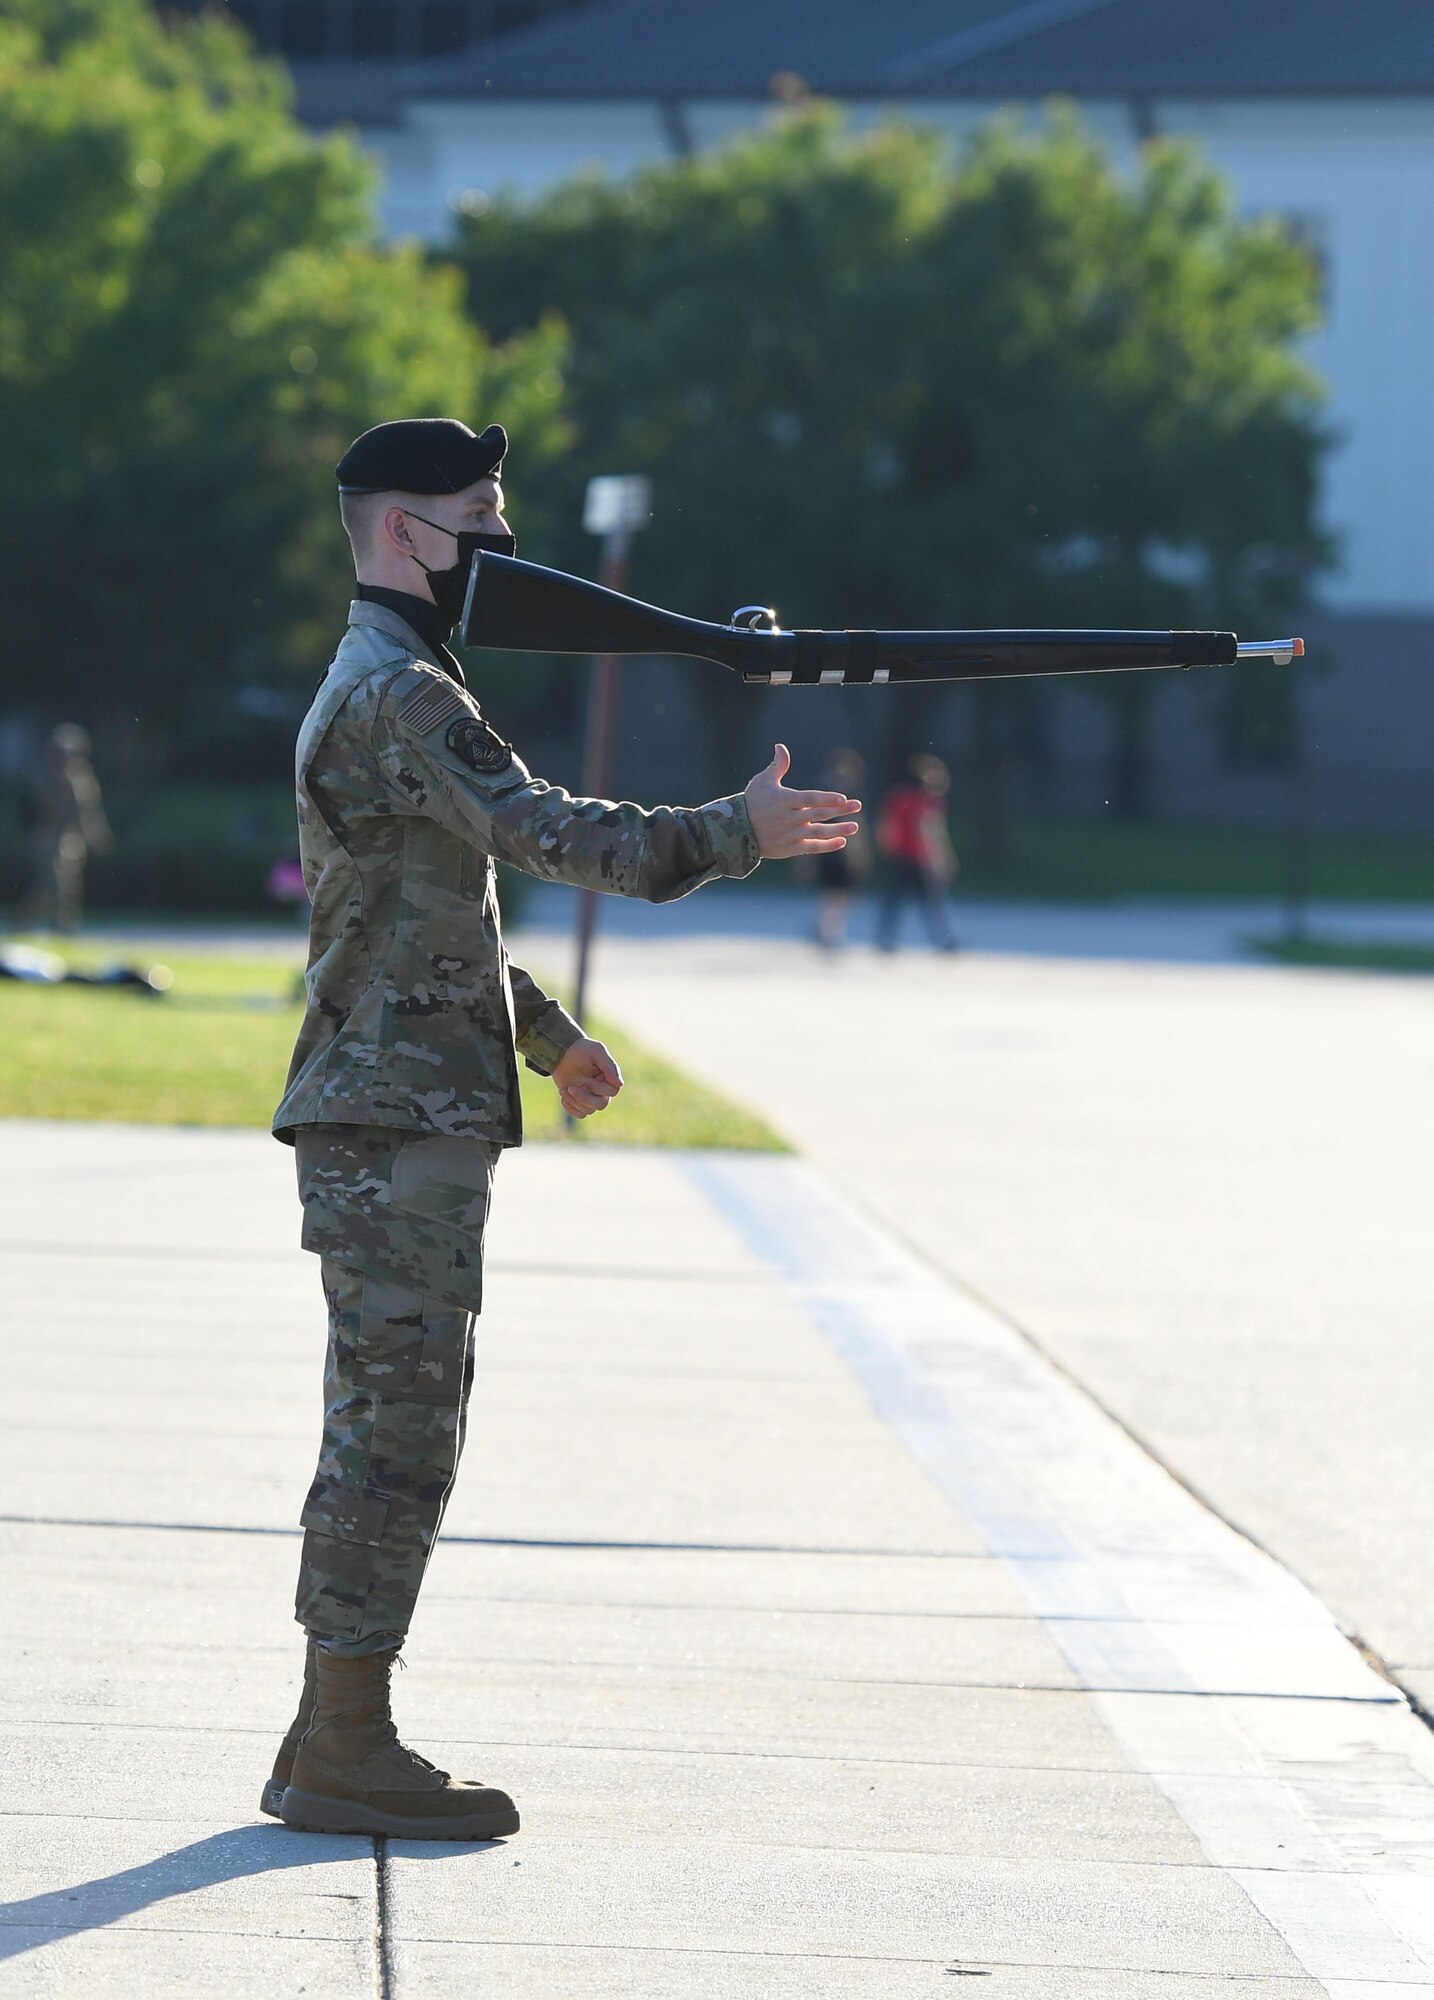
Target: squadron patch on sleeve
(481, 747)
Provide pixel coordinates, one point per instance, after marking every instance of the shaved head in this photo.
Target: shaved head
(398, 539)
(361, 514)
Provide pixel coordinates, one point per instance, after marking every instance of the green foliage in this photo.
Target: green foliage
(195, 319)
(1346, 954)
(880, 386)
(1103, 860)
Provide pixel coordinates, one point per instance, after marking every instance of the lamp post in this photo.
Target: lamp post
(1297, 827)
(615, 509)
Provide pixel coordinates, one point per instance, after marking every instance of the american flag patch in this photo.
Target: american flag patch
(431, 705)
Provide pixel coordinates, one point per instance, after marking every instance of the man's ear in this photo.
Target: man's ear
(396, 530)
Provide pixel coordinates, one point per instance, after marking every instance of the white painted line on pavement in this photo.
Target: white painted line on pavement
(1303, 1773)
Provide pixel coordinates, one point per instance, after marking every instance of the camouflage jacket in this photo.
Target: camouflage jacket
(406, 798)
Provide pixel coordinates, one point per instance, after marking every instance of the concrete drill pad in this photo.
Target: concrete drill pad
(575, 1707)
(1018, 1812)
(231, 1608)
(107, 1770)
(161, 1588)
(665, 1226)
(207, 1457)
(118, 1963)
(63, 1566)
(663, 1322)
(167, 1425)
(661, 1728)
(703, 1710)
(87, 1679)
(473, 1574)
(133, 1187)
(705, 1706)
(112, 1485)
(738, 1894)
(665, 1461)
(849, 1646)
(194, 1875)
(1202, 1189)
(596, 1794)
(531, 1971)
(659, 1330)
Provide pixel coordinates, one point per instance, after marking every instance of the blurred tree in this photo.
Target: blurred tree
(194, 321)
(883, 387)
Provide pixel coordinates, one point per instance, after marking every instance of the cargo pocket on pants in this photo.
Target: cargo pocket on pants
(346, 1517)
(439, 1193)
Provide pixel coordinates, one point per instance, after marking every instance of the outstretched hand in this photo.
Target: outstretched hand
(587, 1078)
(790, 823)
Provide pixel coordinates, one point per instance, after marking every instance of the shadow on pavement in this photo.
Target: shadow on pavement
(221, 1857)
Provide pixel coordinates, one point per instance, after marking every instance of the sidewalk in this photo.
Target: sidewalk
(1188, 930)
(1203, 1190)
(832, 1644)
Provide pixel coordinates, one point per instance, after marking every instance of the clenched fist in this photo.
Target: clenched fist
(790, 823)
(587, 1078)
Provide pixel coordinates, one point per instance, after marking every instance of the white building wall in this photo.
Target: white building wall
(1364, 173)
(519, 147)
(1357, 174)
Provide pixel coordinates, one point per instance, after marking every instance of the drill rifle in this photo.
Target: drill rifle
(522, 607)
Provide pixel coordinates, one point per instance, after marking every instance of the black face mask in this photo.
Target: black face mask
(450, 586)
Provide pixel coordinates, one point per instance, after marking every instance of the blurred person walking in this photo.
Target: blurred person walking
(841, 873)
(915, 843)
(67, 825)
(403, 1090)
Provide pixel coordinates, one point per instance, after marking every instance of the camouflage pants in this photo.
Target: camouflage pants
(398, 1220)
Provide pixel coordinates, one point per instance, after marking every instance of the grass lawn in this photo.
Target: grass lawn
(1076, 860)
(1349, 954)
(214, 1051)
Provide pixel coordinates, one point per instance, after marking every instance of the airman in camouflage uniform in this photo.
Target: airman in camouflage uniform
(404, 1086)
(68, 824)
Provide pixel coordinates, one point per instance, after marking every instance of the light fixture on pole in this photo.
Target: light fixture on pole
(615, 509)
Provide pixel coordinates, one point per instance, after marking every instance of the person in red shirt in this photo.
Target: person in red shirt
(915, 843)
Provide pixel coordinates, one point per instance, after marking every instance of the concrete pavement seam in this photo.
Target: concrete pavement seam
(504, 1541)
(384, 1984)
(1026, 1454)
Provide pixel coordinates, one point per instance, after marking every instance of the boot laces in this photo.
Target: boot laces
(390, 1731)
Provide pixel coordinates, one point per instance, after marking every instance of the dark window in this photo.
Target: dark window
(445, 26)
(374, 28)
(301, 27)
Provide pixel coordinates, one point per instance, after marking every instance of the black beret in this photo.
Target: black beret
(421, 455)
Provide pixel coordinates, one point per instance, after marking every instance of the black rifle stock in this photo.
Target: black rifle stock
(521, 607)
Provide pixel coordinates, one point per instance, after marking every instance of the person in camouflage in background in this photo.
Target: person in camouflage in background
(67, 825)
(403, 1088)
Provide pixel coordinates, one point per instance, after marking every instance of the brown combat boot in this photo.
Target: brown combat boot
(352, 1775)
(274, 1786)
